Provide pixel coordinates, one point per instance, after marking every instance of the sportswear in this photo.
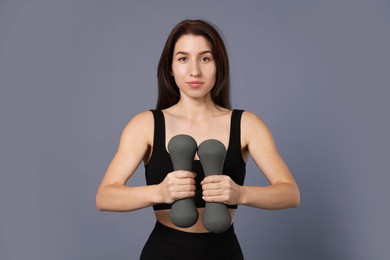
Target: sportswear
(160, 163)
(168, 243)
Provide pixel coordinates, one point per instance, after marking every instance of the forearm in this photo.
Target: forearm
(276, 196)
(120, 198)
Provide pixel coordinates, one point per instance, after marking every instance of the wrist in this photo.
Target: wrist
(155, 194)
(242, 198)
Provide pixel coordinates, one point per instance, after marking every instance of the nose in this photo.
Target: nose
(195, 71)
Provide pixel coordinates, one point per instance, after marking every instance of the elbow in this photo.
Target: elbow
(99, 202)
(105, 198)
(295, 198)
(295, 203)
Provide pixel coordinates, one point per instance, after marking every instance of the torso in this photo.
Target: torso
(216, 127)
(162, 216)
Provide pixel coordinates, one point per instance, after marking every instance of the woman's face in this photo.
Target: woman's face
(193, 66)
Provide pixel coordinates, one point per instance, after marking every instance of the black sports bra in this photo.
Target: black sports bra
(160, 163)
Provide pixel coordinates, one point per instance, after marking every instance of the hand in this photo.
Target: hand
(221, 188)
(177, 185)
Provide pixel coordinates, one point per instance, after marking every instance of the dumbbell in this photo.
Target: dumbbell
(182, 149)
(212, 154)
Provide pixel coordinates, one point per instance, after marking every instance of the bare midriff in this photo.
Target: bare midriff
(163, 217)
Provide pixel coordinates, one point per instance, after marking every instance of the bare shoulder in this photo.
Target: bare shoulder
(141, 120)
(140, 126)
(253, 127)
(251, 121)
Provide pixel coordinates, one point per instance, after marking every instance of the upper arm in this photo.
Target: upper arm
(261, 146)
(134, 144)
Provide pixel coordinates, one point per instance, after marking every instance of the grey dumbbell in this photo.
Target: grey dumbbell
(212, 154)
(182, 149)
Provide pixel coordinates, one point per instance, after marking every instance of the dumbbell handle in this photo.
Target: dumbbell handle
(212, 154)
(182, 149)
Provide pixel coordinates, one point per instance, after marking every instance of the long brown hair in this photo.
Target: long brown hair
(168, 92)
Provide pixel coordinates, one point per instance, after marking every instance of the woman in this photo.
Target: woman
(193, 80)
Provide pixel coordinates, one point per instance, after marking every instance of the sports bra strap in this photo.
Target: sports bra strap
(159, 129)
(235, 131)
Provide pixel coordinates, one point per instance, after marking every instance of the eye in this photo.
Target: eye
(182, 59)
(205, 59)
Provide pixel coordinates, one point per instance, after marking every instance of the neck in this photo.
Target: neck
(196, 108)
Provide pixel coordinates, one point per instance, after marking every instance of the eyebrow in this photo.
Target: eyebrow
(186, 53)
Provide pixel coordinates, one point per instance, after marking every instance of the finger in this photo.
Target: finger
(184, 188)
(214, 178)
(211, 193)
(185, 181)
(211, 186)
(190, 194)
(219, 198)
(180, 192)
(184, 174)
(184, 194)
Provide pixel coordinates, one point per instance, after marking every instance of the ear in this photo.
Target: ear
(171, 73)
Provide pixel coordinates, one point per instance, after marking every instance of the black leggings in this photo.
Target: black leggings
(168, 243)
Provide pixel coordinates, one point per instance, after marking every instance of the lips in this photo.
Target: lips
(195, 84)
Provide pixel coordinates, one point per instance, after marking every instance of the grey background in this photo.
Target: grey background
(72, 73)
